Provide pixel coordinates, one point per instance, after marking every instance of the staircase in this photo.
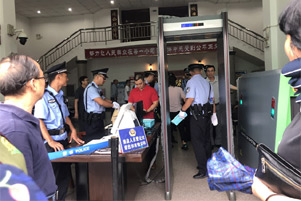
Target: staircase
(141, 33)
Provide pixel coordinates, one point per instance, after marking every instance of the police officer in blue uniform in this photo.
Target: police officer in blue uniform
(55, 123)
(198, 94)
(95, 103)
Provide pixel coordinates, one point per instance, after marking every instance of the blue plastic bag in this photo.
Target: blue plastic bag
(225, 173)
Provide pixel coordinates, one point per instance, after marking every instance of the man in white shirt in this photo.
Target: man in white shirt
(127, 91)
(216, 130)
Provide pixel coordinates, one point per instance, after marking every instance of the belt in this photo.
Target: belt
(216, 103)
(56, 131)
(58, 137)
(97, 116)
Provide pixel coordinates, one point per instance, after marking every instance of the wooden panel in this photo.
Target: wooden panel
(100, 181)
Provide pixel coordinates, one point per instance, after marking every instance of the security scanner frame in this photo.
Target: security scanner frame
(266, 107)
(193, 28)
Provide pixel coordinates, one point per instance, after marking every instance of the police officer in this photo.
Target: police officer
(198, 94)
(55, 123)
(95, 104)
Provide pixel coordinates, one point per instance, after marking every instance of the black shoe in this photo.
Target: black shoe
(185, 147)
(199, 176)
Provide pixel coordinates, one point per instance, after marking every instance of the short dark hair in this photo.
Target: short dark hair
(290, 22)
(172, 80)
(138, 77)
(19, 71)
(209, 66)
(82, 78)
(51, 77)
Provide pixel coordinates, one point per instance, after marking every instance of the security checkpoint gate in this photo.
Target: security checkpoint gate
(194, 28)
(266, 107)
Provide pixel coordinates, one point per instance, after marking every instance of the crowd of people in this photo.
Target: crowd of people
(37, 118)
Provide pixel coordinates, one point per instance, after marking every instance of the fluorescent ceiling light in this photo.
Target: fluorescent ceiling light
(39, 12)
(70, 9)
(112, 2)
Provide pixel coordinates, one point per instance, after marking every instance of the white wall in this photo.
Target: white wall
(274, 53)
(124, 67)
(24, 23)
(54, 30)
(7, 16)
(247, 14)
(242, 65)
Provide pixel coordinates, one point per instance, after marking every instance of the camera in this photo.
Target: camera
(22, 38)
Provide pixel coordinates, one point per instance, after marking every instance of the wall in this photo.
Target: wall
(242, 65)
(247, 14)
(274, 53)
(54, 30)
(24, 23)
(7, 16)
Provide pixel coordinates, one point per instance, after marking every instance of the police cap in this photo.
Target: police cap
(186, 71)
(102, 71)
(193, 66)
(148, 73)
(57, 69)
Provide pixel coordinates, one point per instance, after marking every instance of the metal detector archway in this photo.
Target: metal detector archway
(193, 28)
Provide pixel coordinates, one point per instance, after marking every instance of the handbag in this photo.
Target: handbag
(275, 172)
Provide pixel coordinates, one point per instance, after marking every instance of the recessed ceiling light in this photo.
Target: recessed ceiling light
(70, 9)
(39, 12)
(112, 2)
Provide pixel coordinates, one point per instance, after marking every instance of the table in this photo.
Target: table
(94, 172)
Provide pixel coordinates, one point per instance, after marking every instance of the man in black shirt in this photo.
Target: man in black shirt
(79, 102)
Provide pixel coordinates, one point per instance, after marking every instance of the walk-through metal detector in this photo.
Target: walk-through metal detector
(194, 28)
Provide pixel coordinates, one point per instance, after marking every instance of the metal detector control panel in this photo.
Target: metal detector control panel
(192, 25)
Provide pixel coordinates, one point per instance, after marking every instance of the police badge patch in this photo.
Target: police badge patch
(187, 89)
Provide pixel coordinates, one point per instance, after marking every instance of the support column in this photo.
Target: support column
(7, 43)
(7, 16)
(275, 57)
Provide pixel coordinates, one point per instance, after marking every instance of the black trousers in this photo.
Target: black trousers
(94, 130)
(62, 172)
(180, 126)
(200, 138)
(81, 124)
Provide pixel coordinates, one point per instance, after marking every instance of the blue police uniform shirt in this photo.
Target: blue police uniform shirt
(198, 88)
(48, 110)
(93, 91)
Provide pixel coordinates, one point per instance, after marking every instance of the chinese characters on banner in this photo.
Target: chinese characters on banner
(114, 24)
(193, 10)
(172, 49)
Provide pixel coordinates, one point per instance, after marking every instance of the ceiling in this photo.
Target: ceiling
(52, 8)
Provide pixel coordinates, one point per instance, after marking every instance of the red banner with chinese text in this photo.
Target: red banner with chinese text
(172, 49)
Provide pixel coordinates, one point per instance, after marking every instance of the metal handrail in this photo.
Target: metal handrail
(246, 35)
(133, 32)
(127, 33)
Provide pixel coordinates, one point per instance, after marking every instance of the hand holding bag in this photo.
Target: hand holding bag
(278, 174)
(275, 172)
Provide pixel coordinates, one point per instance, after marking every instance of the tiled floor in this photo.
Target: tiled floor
(184, 186)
